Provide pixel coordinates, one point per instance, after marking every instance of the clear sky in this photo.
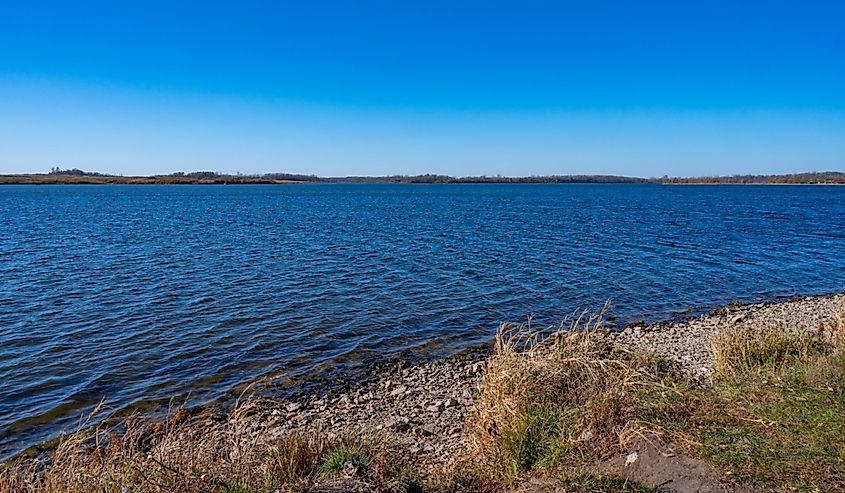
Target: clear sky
(455, 87)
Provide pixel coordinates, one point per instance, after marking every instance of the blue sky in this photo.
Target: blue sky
(462, 88)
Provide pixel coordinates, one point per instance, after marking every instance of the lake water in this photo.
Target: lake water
(138, 293)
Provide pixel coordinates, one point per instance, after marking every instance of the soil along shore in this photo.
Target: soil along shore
(747, 398)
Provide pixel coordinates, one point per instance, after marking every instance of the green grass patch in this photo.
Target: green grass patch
(786, 429)
(773, 424)
(537, 438)
(404, 479)
(342, 458)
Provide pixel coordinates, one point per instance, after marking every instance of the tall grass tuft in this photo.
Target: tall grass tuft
(554, 397)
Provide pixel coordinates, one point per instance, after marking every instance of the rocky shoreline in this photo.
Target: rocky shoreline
(687, 343)
(422, 408)
(423, 413)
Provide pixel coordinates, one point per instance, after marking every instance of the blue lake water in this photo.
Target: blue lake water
(137, 293)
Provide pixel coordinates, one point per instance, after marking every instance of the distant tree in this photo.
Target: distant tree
(826, 177)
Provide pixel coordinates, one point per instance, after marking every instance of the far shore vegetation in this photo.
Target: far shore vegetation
(553, 405)
(76, 176)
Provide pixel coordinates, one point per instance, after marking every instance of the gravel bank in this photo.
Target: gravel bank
(422, 407)
(687, 343)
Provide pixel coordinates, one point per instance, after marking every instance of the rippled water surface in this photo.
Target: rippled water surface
(137, 293)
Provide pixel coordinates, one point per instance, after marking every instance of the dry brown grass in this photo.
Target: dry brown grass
(833, 329)
(556, 397)
(744, 348)
(193, 453)
(563, 399)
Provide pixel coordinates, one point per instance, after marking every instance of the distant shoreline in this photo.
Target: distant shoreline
(78, 177)
(756, 183)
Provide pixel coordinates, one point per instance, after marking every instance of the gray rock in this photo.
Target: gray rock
(435, 407)
(293, 407)
(399, 423)
(428, 429)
